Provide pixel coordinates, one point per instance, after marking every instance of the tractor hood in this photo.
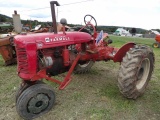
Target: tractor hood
(46, 40)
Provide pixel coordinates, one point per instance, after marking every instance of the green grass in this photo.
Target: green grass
(99, 113)
(119, 41)
(92, 96)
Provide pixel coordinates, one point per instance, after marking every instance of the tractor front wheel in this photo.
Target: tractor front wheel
(83, 67)
(35, 101)
(24, 85)
(135, 71)
(156, 45)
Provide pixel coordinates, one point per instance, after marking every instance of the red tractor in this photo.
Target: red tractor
(43, 55)
(157, 43)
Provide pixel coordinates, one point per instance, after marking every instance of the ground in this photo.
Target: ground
(91, 96)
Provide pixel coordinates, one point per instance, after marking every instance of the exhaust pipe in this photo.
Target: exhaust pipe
(52, 3)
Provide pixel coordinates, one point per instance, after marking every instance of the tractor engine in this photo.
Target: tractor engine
(56, 60)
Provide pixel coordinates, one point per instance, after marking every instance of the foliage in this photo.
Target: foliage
(4, 18)
(33, 23)
(133, 31)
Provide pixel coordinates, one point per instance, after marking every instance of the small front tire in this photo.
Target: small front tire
(34, 101)
(24, 85)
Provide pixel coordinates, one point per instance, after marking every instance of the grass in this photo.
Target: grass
(92, 96)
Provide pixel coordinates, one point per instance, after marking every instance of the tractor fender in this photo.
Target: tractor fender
(122, 51)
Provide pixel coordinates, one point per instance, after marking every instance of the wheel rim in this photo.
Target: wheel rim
(143, 73)
(38, 103)
(155, 45)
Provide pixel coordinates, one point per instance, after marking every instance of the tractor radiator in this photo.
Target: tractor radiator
(22, 60)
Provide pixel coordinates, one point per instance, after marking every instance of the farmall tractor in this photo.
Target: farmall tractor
(44, 55)
(157, 43)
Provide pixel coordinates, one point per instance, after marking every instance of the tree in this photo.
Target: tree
(133, 31)
(2, 19)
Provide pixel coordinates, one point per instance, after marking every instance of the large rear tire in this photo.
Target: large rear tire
(83, 67)
(135, 71)
(35, 101)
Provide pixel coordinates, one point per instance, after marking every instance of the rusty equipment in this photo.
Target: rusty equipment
(7, 50)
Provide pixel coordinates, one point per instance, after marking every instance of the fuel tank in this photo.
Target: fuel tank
(47, 40)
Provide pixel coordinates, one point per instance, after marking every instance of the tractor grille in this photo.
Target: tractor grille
(22, 60)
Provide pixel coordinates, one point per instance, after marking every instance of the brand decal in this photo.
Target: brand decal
(60, 38)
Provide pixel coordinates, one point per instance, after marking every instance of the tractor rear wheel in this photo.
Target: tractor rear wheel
(135, 71)
(83, 67)
(156, 45)
(34, 101)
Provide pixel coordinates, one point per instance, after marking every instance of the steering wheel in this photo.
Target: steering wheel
(88, 19)
(91, 25)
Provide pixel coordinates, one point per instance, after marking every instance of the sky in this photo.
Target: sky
(128, 13)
